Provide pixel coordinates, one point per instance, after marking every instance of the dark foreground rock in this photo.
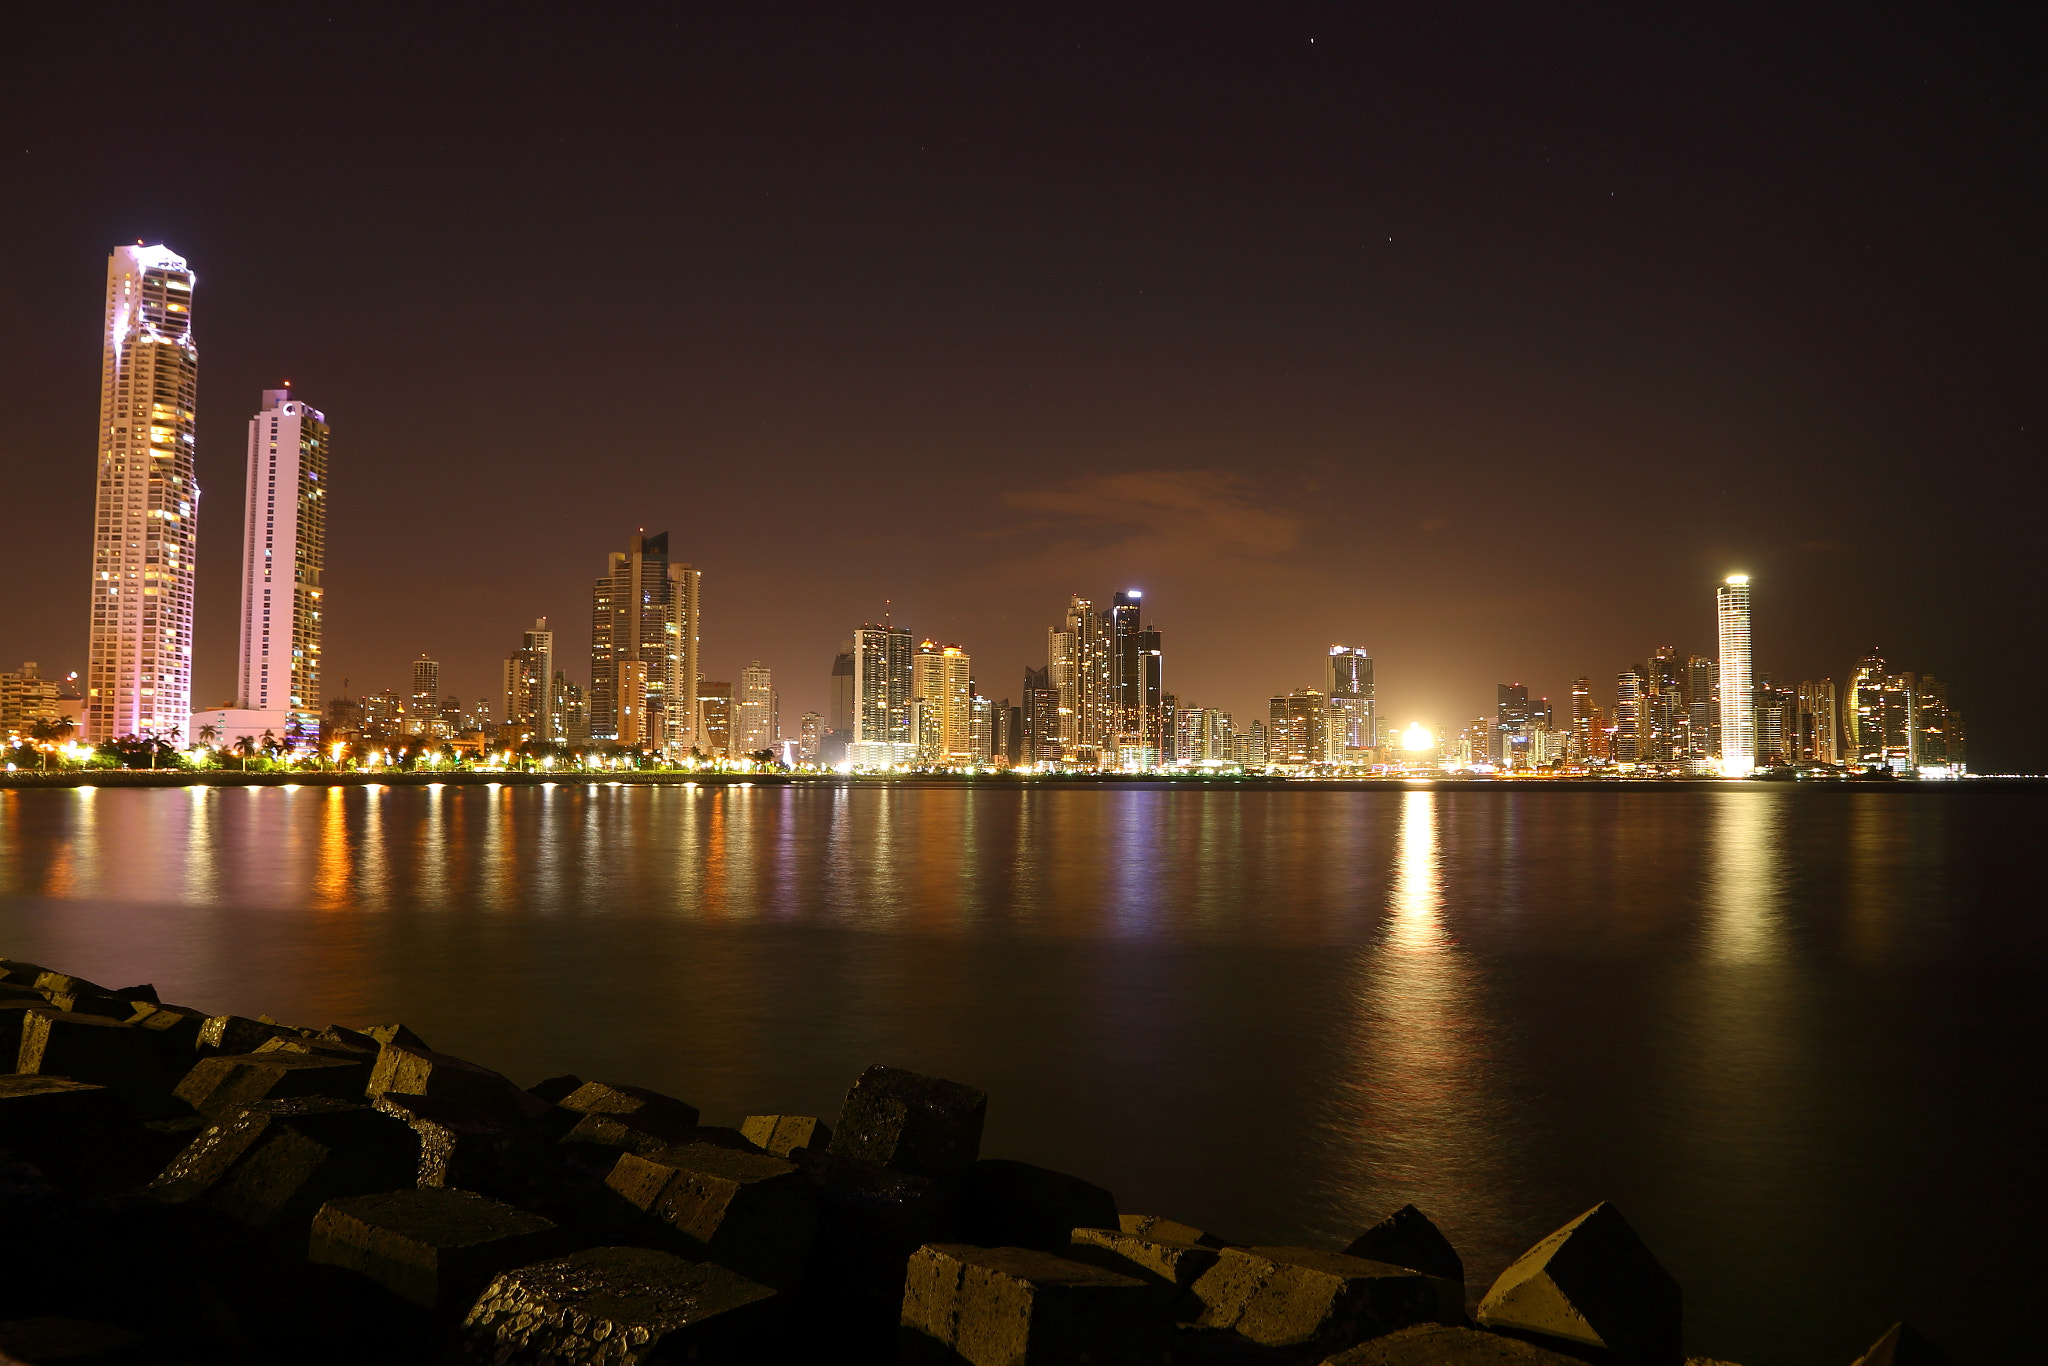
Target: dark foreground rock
(623, 1305)
(178, 1187)
(1591, 1284)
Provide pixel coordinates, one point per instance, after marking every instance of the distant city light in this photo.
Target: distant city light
(1417, 738)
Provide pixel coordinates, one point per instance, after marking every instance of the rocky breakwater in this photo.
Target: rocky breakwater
(182, 1187)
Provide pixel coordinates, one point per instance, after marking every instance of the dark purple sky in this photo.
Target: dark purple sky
(1489, 338)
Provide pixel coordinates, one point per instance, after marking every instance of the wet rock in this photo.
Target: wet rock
(13, 1014)
(925, 1126)
(416, 1072)
(219, 1086)
(44, 1117)
(1902, 1345)
(468, 1148)
(20, 973)
(1309, 1302)
(555, 1088)
(436, 1247)
(105, 1007)
(781, 1135)
(110, 1053)
(64, 984)
(393, 1034)
(175, 1030)
(71, 1342)
(641, 1134)
(1167, 1230)
(1014, 1204)
(272, 1165)
(138, 995)
(1171, 1268)
(1437, 1344)
(348, 1038)
(998, 1306)
(621, 1306)
(747, 1211)
(1594, 1284)
(870, 1220)
(1407, 1238)
(236, 1034)
(318, 1045)
(610, 1098)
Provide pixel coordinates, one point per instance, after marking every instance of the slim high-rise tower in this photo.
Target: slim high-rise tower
(644, 636)
(1738, 707)
(284, 545)
(138, 674)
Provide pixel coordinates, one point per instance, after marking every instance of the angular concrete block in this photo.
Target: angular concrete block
(781, 1135)
(319, 1044)
(1167, 1230)
(272, 1165)
(555, 1088)
(1436, 1344)
(106, 1007)
(621, 1306)
(639, 1134)
(468, 1148)
(218, 1086)
(1902, 1345)
(870, 1220)
(1169, 1267)
(13, 1015)
(18, 973)
(236, 1034)
(1592, 1284)
(1012, 1306)
(1407, 1238)
(610, 1098)
(1308, 1300)
(416, 1072)
(38, 1112)
(176, 1031)
(67, 985)
(393, 1033)
(109, 1053)
(436, 1247)
(1014, 1204)
(747, 1211)
(907, 1122)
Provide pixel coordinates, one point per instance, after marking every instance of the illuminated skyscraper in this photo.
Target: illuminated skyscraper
(1583, 712)
(1814, 726)
(1347, 679)
(284, 544)
(1738, 710)
(426, 695)
(138, 673)
(881, 697)
(754, 722)
(1628, 716)
(942, 689)
(529, 711)
(645, 629)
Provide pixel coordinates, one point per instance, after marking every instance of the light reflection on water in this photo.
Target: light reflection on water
(1749, 1015)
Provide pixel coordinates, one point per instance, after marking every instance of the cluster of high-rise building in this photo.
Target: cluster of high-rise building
(1688, 714)
(1099, 701)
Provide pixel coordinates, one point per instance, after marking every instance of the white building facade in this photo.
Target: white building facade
(1738, 705)
(138, 678)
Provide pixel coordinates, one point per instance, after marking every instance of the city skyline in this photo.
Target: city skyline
(1254, 345)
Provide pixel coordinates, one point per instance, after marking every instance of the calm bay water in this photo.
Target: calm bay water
(1795, 1034)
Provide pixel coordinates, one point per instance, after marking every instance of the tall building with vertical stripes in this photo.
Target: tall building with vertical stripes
(138, 673)
(1738, 707)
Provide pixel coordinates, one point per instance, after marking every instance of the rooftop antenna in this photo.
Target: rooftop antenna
(888, 605)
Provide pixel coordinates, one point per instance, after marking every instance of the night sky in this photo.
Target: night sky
(1488, 338)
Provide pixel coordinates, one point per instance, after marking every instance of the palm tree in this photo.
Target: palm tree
(246, 746)
(51, 733)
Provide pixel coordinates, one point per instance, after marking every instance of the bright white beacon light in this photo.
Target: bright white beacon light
(1738, 579)
(1136, 594)
(1417, 738)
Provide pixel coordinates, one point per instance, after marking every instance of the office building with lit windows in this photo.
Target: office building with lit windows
(644, 637)
(1738, 705)
(138, 673)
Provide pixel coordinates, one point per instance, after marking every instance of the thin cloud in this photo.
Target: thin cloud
(1159, 517)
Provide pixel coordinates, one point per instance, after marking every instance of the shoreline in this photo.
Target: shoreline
(27, 780)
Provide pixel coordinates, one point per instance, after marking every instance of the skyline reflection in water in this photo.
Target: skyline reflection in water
(1771, 1024)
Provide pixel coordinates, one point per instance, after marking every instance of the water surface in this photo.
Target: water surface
(1794, 1033)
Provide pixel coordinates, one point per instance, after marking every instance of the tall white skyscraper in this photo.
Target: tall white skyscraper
(754, 710)
(138, 673)
(1738, 707)
(284, 543)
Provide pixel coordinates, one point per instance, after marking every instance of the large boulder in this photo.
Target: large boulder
(1407, 1238)
(1591, 1284)
(612, 1098)
(753, 1213)
(782, 1135)
(1167, 1230)
(998, 1306)
(238, 1034)
(907, 1122)
(273, 1165)
(469, 1148)
(1307, 1303)
(621, 1306)
(106, 1052)
(870, 1220)
(1014, 1204)
(1436, 1344)
(1171, 1268)
(220, 1085)
(417, 1072)
(435, 1247)
(645, 1134)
